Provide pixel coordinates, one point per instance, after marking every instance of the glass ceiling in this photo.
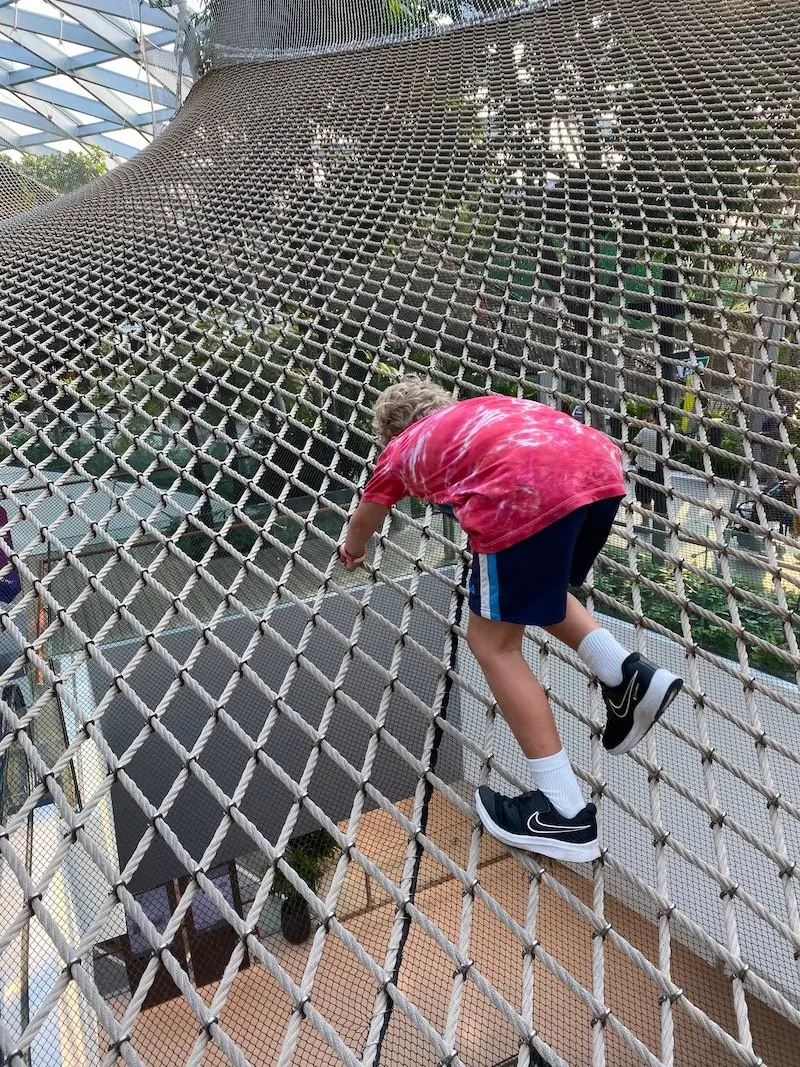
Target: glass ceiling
(104, 72)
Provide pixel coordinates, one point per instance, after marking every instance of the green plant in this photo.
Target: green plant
(713, 634)
(638, 409)
(307, 856)
(719, 436)
(65, 171)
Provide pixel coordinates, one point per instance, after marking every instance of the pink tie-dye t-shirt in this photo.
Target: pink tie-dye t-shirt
(507, 467)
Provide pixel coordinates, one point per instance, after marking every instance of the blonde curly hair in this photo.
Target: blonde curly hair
(404, 402)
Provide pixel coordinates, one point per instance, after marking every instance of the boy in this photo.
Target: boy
(537, 493)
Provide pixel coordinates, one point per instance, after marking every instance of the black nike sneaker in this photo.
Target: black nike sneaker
(639, 701)
(532, 823)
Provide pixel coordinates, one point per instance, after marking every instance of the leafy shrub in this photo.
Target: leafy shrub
(712, 635)
(307, 856)
(718, 436)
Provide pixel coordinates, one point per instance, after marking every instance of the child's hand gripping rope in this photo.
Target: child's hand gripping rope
(349, 561)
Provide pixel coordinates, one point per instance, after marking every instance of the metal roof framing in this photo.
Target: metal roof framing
(87, 70)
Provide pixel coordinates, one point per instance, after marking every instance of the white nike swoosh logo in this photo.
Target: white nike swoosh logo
(546, 827)
(624, 705)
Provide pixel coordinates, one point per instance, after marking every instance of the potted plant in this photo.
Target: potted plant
(307, 856)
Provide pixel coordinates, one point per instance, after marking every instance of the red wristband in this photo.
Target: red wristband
(349, 558)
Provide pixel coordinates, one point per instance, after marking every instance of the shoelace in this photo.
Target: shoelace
(512, 803)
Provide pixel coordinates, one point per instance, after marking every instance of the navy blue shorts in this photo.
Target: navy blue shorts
(528, 582)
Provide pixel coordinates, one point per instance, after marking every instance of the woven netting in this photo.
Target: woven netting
(18, 192)
(236, 818)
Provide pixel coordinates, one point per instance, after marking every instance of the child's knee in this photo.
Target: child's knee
(489, 640)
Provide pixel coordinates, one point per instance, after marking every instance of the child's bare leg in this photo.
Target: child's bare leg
(497, 646)
(576, 624)
(596, 646)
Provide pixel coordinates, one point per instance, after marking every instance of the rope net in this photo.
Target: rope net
(236, 817)
(18, 192)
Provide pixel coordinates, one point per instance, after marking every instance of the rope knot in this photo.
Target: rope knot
(672, 997)
(603, 931)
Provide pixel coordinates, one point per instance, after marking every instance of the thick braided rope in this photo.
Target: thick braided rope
(203, 380)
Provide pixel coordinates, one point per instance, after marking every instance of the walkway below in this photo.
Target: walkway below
(257, 1011)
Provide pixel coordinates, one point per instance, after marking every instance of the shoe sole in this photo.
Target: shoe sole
(660, 694)
(544, 846)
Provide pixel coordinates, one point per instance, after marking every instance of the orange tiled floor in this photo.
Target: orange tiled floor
(257, 1011)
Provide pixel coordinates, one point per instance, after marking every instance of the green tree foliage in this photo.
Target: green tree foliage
(307, 856)
(708, 604)
(65, 171)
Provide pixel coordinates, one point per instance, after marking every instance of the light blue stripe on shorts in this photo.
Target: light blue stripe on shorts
(494, 587)
(489, 587)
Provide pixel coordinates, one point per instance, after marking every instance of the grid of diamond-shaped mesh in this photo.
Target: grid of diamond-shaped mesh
(18, 192)
(213, 739)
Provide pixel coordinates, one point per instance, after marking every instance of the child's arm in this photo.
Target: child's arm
(367, 519)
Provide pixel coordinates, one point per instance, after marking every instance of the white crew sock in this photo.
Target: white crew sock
(603, 655)
(556, 779)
